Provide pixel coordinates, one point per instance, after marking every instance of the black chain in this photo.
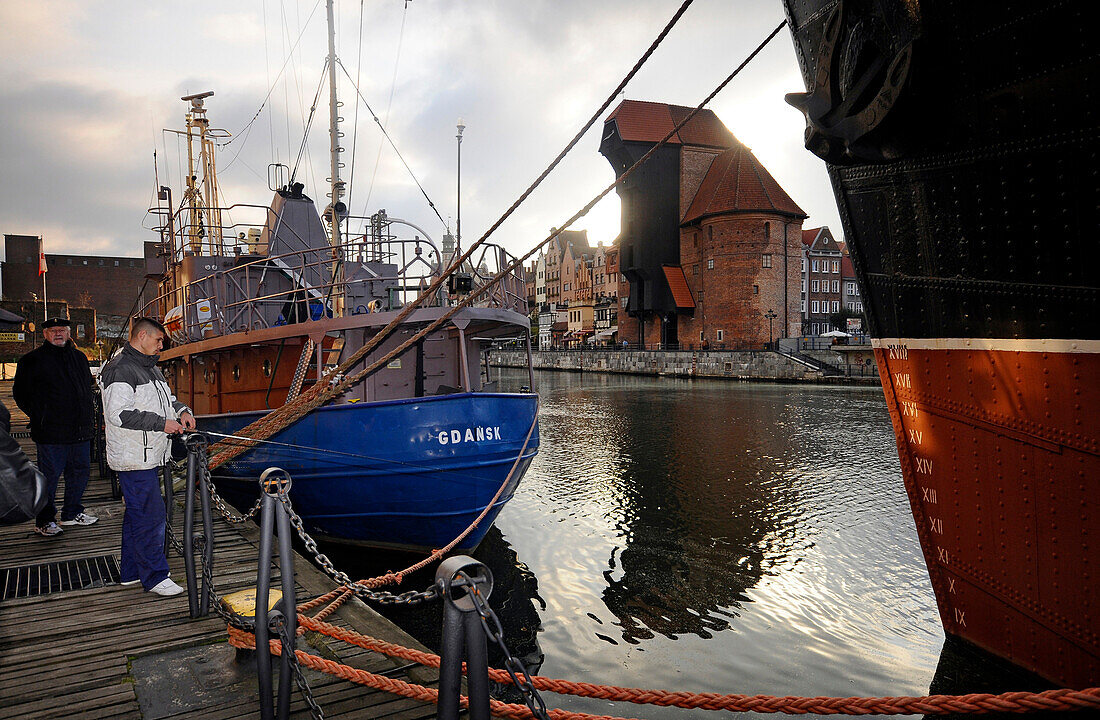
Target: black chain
(364, 592)
(515, 667)
(279, 624)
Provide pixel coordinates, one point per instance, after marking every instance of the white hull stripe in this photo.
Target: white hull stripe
(992, 344)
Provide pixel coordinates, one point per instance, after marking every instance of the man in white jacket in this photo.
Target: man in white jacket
(141, 412)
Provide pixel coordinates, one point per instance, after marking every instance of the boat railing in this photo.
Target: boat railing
(262, 291)
(511, 291)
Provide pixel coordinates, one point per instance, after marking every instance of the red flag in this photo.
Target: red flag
(41, 262)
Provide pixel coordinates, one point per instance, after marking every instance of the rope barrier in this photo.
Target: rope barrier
(977, 703)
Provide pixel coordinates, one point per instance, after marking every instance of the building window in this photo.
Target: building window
(695, 236)
(836, 266)
(815, 285)
(710, 264)
(710, 232)
(695, 269)
(68, 261)
(836, 306)
(803, 306)
(755, 289)
(803, 284)
(814, 265)
(815, 307)
(701, 337)
(836, 286)
(766, 259)
(85, 262)
(767, 234)
(803, 264)
(566, 287)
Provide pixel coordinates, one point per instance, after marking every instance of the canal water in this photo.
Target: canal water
(709, 536)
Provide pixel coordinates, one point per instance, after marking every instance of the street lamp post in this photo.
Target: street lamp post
(458, 217)
(770, 315)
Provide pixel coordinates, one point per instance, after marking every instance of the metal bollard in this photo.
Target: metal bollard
(196, 482)
(274, 482)
(463, 639)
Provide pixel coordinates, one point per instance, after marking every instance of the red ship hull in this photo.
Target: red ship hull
(1000, 456)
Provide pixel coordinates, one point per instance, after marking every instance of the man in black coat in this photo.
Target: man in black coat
(53, 385)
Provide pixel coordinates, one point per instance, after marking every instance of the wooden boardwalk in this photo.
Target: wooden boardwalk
(119, 652)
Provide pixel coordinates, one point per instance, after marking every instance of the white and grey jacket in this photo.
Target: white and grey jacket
(136, 403)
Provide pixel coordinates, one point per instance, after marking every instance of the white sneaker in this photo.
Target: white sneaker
(166, 587)
(81, 519)
(50, 530)
(131, 583)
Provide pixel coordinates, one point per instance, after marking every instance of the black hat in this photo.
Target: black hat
(56, 322)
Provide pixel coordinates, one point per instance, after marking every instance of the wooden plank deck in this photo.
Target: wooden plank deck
(84, 653)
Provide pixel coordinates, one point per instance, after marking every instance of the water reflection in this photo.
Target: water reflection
(711, 537)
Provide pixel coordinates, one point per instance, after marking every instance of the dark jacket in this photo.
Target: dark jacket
(53, 385)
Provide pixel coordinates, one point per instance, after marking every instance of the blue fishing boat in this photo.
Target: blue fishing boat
(423, 471)
(273, 306)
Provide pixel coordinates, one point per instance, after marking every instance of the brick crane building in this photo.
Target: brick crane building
(710, 244)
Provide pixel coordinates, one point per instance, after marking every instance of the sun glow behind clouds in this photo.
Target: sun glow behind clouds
(525, 76)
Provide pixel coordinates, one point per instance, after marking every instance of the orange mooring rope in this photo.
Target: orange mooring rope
(1015, 702)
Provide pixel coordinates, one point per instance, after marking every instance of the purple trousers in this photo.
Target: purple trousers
(142, 528)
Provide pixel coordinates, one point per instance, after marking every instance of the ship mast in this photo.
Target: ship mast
(202, 203)
(336, 208)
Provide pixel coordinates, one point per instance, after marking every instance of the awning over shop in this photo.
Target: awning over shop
(677, 283)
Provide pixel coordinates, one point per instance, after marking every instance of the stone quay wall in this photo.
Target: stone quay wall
(734, 365)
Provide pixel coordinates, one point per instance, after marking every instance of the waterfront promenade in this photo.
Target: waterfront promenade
(106, 651)
(748, 365)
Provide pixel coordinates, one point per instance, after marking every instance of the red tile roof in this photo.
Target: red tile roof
(847, 270)
(678, 284)
(737, 182)
(808, 236)
(639, 121)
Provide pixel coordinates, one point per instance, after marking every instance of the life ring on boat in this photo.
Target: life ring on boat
(173, 324)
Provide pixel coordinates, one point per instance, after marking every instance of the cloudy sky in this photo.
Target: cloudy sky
(89, 85)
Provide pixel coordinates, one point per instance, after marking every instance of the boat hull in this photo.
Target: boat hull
(961, 152)
(1000, 462)
(407, 474)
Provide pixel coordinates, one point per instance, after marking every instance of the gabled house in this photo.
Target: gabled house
(710, 242)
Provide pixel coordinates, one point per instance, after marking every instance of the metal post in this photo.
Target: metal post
(189, 531)
(450, 664)
(263, 591)
(477, 666)
(290, 604)
(208, 537)
(463, 639)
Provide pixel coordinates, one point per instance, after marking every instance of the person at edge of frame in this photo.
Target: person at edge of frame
(53, 386)
(140, 412)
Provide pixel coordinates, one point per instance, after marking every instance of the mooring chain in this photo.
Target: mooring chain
(382, 597)
(515, 667)
(223, 508)
(279, 624)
